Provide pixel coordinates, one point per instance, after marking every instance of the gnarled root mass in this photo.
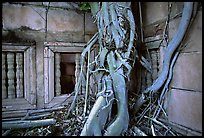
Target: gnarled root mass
(113, 64)
(172, 47)
(111, 68)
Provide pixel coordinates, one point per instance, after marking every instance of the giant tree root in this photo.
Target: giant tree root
(120, 124)
(116, 33)
(100, 111)
(96, 121)
(172, 46)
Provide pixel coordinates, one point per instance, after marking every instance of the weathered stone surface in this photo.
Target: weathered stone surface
(88, 37)
(66, 36)
(176, 8)
(185, 108)
(152, 39)
(31, 35)
(154, 11)
(64, 5)
(40, 74)
(154, 30)
(187, 72)
(18, 36)
(67, 5)
(16, 16)
(64, 20)
(173, 27)
(90, 27)
(70, 58)
(153, 45)
(30, 3)
(194, 35)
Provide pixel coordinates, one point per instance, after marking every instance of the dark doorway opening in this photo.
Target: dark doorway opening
(67, 67)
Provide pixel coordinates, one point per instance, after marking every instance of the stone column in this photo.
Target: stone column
(10, 74)
(4, 92)
(83, 86)
(154, 64)
(148, 74)
(77, 66)
(19, 75)
(57, 74)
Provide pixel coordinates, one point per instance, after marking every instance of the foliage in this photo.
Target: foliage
(84, 6)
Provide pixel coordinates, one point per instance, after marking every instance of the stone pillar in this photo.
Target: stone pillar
(10, 74)
(57, 74)
(92, 87)
(149, 79)
(83, 86)
(148, 74)
(154, 64)
(158, 60)
(19, 75)
(4, 92)
(77, 66)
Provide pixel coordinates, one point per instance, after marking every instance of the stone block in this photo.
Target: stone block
(173, 27)
(187, 72)
(154, 11)
(67, 5)
(31, 35)
(16, 16)
(88, 37)
(18, 36)
(31, 3)
(176, 9)
(66, 36)
(70, 58)
(155, 15)
(185, 108)
(154, 30)
(63, 20)
(193, 38)
(90, 27)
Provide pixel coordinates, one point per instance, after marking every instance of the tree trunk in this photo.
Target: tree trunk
(113, 64)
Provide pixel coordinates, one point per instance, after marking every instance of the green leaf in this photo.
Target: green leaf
(84, 6)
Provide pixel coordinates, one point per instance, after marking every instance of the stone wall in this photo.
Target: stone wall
(31, 21)
(62, 22)
(39, 22)
(184, 101)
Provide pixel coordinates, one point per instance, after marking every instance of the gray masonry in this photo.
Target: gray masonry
(184, 102)
(26, 22)
(31, 21)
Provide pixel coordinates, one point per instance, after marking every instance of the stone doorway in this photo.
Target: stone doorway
(67, 67)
